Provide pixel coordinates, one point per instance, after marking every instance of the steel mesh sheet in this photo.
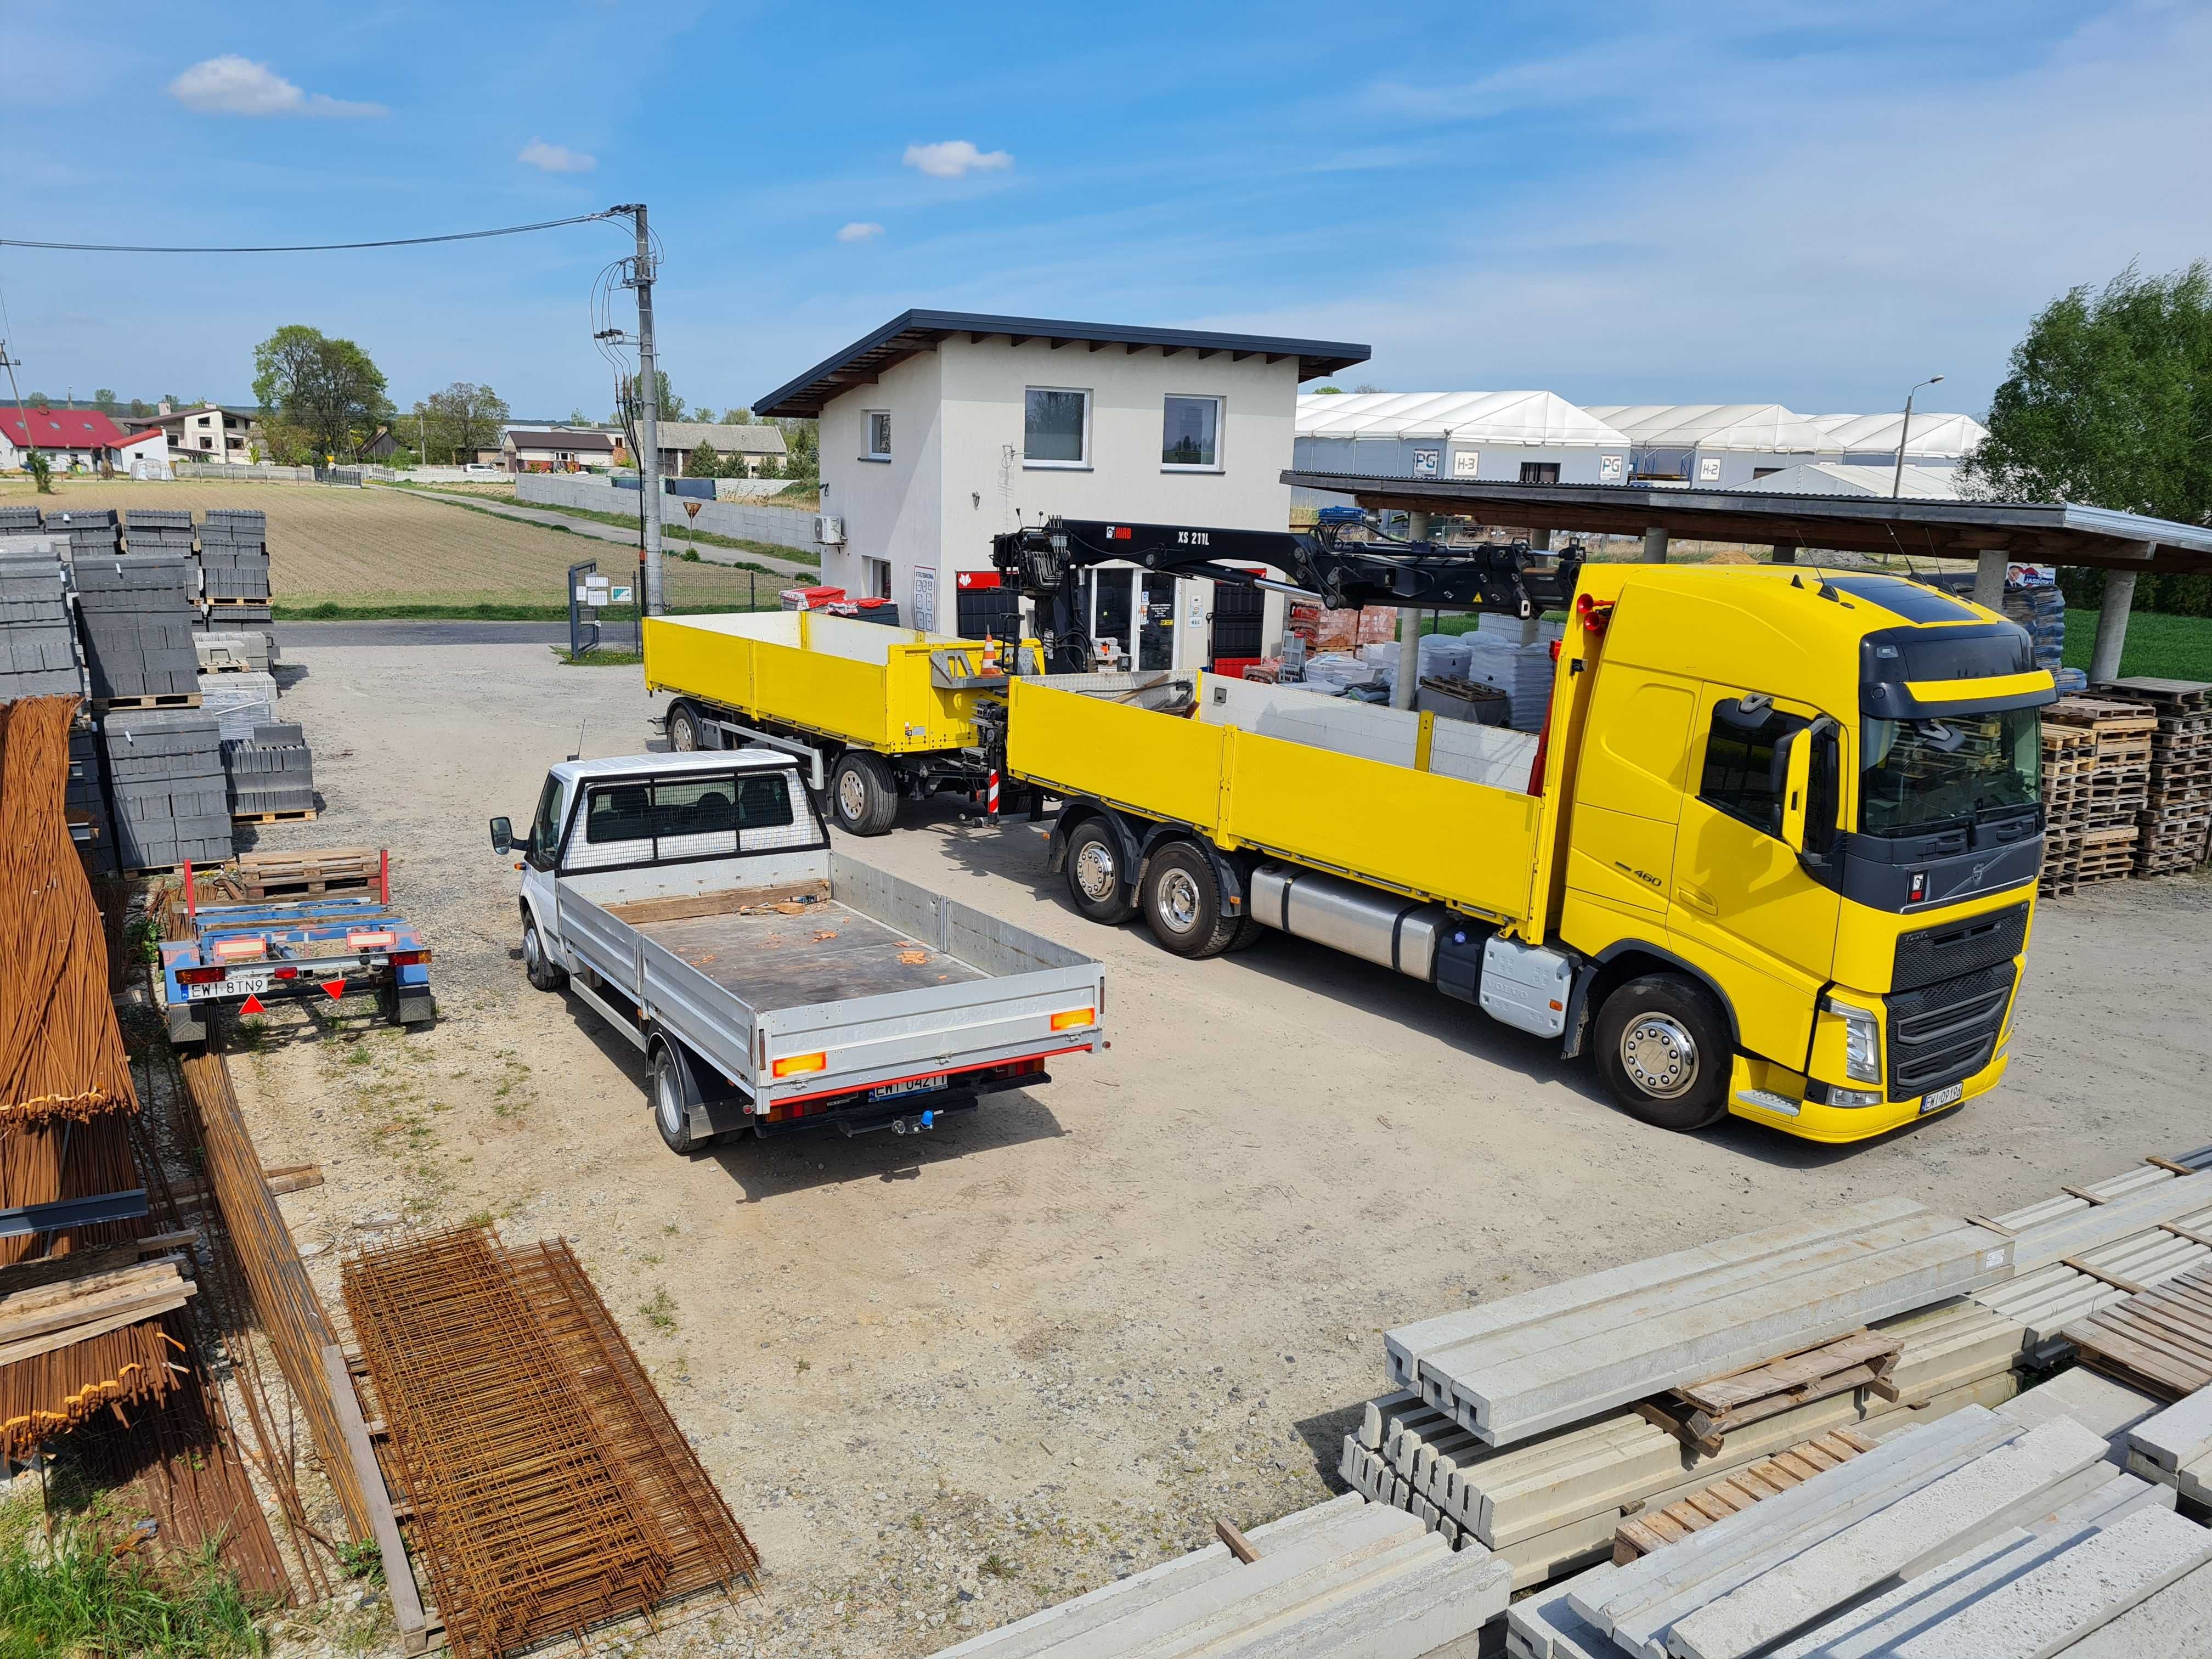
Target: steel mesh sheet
(552, 1491)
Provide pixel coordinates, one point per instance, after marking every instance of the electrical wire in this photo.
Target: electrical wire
(315, 248)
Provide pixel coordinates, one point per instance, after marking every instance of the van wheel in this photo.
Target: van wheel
(687, 733)
(669, 1114)
(1182, 903)
(863, 794)
(545, 974)
(1093, 875)
(1663, 1048)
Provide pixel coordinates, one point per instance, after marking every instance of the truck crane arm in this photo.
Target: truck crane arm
(1344, 573)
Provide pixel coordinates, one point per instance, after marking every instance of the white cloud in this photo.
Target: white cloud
(955, 158)
(231, 85)
(861, 230)
(555, 158)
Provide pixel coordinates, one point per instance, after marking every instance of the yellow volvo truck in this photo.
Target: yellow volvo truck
(1774, 853)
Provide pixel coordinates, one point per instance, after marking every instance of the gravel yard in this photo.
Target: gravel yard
(945, 1380)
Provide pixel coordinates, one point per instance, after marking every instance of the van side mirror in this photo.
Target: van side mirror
(502, 835)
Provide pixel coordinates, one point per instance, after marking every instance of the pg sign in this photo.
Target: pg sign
(1426, 462)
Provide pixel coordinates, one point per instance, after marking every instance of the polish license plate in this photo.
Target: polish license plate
(1937, 1099)
(920, 1085)
(238, 985)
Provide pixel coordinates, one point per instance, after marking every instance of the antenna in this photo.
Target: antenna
(581, 724)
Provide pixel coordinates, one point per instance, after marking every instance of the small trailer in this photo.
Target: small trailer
(693, 902)
(246, 957)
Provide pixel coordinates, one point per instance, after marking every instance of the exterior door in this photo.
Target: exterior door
(1739, 892)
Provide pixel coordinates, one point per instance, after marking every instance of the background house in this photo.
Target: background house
(68, 437)
(1715, 444)
(557, 450)
(207, 432)
(1520, 437)
(144, 454)
(942, 429)
(755, 446)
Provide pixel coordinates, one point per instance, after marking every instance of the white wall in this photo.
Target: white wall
(890, 509)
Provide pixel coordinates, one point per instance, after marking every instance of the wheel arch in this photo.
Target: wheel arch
(1628, 960)
(1227, 873)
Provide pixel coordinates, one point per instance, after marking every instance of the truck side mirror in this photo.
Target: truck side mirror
(502, 835)
(1793, 766)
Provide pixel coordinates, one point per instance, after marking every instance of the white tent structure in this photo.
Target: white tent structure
(1936, 441)
(1920, 483)
(1716, 444)
(1535, 437)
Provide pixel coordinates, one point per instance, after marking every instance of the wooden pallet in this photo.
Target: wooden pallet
(158, 700)
(1652, 1529)
(2166, 694)
(1702, 1415)
(238, 605)
(297, 815)
(2103, 715)
(226, 668)
(2159, 1340)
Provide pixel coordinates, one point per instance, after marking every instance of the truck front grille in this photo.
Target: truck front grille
(1940, 1033)
(1958, 947)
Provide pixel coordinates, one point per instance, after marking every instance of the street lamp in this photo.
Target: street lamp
(1897, 482)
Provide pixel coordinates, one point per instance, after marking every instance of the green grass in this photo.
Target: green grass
(77, 1599)
(400, 611)
(602, 657)
(2164, 647)
(675, 530)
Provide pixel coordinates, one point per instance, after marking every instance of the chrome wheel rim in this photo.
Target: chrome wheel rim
(663, 1095)
(1179, 900)
(1094, 872)
(1660, 1055)
(852, 795)
(682, 735)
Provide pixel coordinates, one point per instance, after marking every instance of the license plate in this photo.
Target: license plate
(920, 1085)
(238, 985)
(1937, 1099)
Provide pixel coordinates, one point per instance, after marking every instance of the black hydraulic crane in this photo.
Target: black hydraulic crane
(1341, 562)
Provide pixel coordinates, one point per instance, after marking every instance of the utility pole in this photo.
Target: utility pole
(648, 417)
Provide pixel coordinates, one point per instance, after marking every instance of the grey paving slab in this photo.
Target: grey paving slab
(2094, 1400)
(2179, 1435)
(2174, 1624)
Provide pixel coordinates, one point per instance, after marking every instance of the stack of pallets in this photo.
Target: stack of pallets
(2119, 784)
(313, 872)
(2179, 809)
(2069, 758)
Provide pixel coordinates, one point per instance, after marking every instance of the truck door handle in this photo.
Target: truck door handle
(1697, 898)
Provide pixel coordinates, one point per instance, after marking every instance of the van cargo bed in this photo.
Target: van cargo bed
(828, 952)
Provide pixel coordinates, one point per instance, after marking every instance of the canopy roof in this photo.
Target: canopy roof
(1933, 433)
(1761, 429)
(1917, 483)
(1538, 419)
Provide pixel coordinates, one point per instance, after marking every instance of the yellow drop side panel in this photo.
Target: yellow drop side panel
(1438, 837)
(1160, 765)
(857, 683)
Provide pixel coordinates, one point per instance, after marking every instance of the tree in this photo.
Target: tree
(703, 462)
(326, 390)
(629, 410)
(576, 418)
(38, 400)
(139, 408)
(462, 419)
(738, 417)
(103, 399)
(42, 472)
(1367, 386)
(802, 446)
(1328, 391)
(172, 399)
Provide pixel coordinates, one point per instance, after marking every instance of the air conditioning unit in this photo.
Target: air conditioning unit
(828, 531)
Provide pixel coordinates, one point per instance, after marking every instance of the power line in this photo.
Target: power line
(313, 247)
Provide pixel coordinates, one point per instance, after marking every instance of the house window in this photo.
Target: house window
(875, 578)
(1764, 471)
(1190, 435)
(1055, 427)
(206, 442)
(1539, 472)
(879, 434)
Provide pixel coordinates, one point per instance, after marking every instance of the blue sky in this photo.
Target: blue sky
(1722, 203)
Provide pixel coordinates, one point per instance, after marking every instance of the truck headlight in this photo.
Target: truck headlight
(1861, 1039)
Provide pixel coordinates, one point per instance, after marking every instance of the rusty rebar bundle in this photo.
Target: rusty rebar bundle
(54, 1391)
(61, 1055)
(552, 1490)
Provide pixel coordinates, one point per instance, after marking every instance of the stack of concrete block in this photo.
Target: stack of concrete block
(165, 771)
(20, 521)
(249, 649)
(136, 614)
(234, 566)
(84, 802)
(1976, 1536)
(91, 532)
(159, 530)
(1344, 1577)
(1511, 1370)
(1553, 1502)
(38, 645)
(2173, 1447)
(273, 771)
(239, 703)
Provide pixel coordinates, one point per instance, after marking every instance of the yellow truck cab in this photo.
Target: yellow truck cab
(1808, 799)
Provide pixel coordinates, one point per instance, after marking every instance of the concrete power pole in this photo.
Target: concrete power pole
(648, 418)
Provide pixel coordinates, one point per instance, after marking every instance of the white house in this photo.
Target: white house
(144, 454)
(942, 429)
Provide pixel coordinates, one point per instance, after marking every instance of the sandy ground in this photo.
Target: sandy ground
(944, 1382)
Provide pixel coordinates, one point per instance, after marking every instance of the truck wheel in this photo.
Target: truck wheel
(1093, 875)
(1248, 934)
(670, 1114)
(863, 794)
(544, 973)
(1663, 1048)
(1182, 903)
(687, 733)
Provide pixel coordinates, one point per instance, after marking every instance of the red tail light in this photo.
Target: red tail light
(410, 959)
(200, 975)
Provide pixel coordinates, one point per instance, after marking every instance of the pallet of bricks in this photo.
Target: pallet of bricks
(2177, 812)
(2110, 795)
(235, 569)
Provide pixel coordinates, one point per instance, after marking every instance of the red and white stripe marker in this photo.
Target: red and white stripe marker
(991, 795)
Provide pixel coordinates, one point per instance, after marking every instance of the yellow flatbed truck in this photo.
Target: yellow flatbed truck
(1773, 855)
(883, 714)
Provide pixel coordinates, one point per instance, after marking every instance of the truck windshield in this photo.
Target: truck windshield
(1917, 776)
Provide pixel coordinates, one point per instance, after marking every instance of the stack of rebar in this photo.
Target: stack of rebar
(552, 1491)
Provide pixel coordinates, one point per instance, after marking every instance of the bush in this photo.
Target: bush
(77, 1594)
